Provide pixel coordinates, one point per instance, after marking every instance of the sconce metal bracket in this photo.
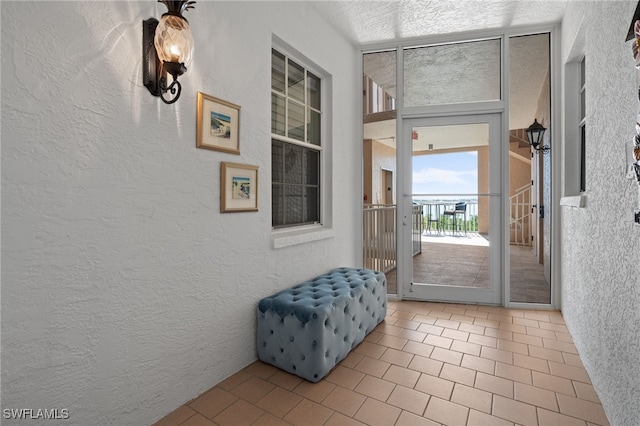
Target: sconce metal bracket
(151, 66)
(542, 149)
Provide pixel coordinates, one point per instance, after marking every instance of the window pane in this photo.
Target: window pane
(277, 114)
(379, 81)
(293, 205)
(582, 105)
(312, 167)
(296, 121)
(452, 73)
(293, 164)
(296, 81)
(296, 114)
(313, 84)
(277, 205)
(583, 159)
(277, 161)
(460, 150)
(312, 202)
(277, 71)
(313, 127)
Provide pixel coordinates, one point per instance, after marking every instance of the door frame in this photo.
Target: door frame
(500, 106)
(494, 294)
(388, 189)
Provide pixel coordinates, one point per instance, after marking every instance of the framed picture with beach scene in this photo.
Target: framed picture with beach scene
(238, 187)
(217, 124)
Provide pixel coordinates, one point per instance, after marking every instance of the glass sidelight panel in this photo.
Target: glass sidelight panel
(380, 230)
(379, 83)
(529, 174)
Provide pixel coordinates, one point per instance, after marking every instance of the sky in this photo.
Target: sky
(454, 173)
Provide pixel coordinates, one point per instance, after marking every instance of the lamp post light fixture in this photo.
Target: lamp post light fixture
(535, 133)
(167, 48)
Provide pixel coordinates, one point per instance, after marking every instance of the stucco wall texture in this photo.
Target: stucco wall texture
(125, 291)
(600, 245)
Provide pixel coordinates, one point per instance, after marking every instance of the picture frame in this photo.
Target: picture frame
(238, 187)
(217, 124)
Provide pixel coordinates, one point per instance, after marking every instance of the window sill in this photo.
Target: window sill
(281, 239)
(579, 201)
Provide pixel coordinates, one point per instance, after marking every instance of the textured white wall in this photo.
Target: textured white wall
(600, 246)
(124, 291)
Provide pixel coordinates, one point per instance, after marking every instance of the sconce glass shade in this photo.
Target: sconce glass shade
(173, 41)
(535, 133)
(167, 48)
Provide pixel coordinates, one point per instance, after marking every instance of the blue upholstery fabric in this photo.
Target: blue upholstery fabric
(307, 329)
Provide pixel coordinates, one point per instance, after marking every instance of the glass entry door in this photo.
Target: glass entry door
(452, 188)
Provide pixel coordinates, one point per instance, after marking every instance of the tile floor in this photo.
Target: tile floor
(426, 364)
(465, 264)
(528, 283)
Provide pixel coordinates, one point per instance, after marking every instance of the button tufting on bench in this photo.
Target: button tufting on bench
(305, 316)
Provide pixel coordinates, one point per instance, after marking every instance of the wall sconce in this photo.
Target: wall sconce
(535, 132)
(167, 48)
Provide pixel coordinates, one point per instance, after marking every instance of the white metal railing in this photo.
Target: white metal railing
(379, 234)
(521, 217)
(416, 229)
(433, 211)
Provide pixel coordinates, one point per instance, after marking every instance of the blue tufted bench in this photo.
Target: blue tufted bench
(307, 329)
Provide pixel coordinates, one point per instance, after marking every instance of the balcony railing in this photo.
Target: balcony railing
(379, 234)
(380, 228)
(521, 217)
(434, 217)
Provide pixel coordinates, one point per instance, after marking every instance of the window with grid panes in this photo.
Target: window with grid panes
(295, 143)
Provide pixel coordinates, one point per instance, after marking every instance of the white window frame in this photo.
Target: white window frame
(582, 138)
(575, 121)
(299, 234)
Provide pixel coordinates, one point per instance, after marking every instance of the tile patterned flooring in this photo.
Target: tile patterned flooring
(426, 364)
(466, 265)
(528, 283)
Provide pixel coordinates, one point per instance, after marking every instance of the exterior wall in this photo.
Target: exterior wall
(125, 292)
(519, 170)
(367, 171)
(483, 188)
(600, 245)
(384, 157)
(376, 157)
(544, 173)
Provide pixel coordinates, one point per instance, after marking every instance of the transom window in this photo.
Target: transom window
(296, 142)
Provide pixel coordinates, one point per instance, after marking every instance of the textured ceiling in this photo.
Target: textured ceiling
(373, 21)
(366, 22)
